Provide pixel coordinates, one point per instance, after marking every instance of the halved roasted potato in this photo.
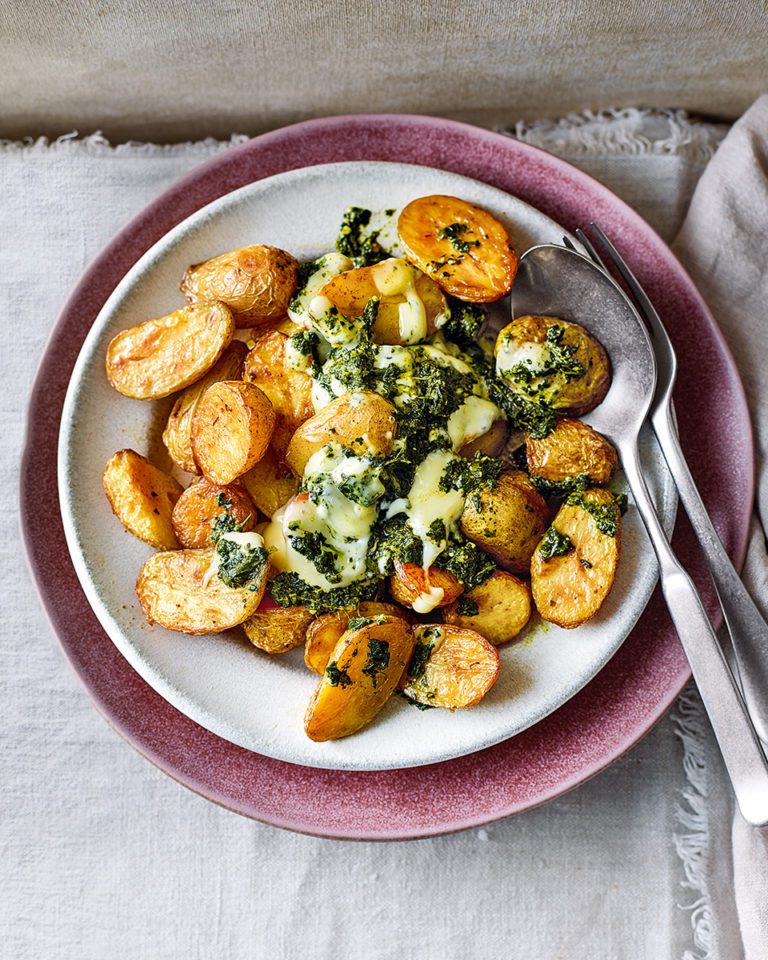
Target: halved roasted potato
(181, 591)
(202, 503)
(142, 498)
(256, 282)
(573, 568)
(548, 359)
(507, 520)
(451, 667)
(497, 609)
(270, 483)
(411, 306)
(423, 590)
(573, 449)
(275, 629)
(231, 429)
(462, 247)
(159, 357)
(289, 390)
(323, 633)
(363, 421)
(490, 443)
(360, 677)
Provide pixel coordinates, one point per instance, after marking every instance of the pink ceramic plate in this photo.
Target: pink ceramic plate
(589, 731)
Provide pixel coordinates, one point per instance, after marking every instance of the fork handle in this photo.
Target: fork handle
(741, 750)
(748, 629)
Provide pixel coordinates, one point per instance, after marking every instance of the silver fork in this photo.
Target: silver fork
(746, 627)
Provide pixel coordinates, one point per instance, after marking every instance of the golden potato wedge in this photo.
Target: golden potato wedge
(178, 429)
(507, 521)
(255, 282)
(452, 667)
(198, 507)
(561, 363)
(270, 483)
(497, 609)
(289, 390)
(570, 586)
(490, 443)
(179, 591)
(363, 421)
(572, 449)
(275, 629)
(361, 675)
(231, 429)
(323, 633)
(463, 248)
(159, 357)
(396, 284)
(420, 590)
(142, 498)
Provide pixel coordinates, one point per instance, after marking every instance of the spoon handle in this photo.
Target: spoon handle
(739, 744)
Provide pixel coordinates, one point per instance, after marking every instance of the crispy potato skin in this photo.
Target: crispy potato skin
(579, 396)
(503, 608)
(461, 667)
(231, 429)
(178, 429)
(350, 292)
(255, 282)
(196, 509)
(573, 448)
(410, 581)
(142, 497)
(483, 272)
(490, 443)
(276, 629)
(323, 633)
(507, 521)
(362, 420)
(289, 390)
(159, 357)
(270, 483)
(174, 592)
(338, 709)
(569, 589)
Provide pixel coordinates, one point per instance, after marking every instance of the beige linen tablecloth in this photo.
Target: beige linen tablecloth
(104, 856)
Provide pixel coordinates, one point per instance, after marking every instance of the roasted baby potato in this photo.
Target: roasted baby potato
(231, 429)
(361, 675)
(507, 520)
(396, 284)
(490, 443)
(201, 504)
(324, 632)
(573, 568)
(451, 667)
(463, 248)
(363, 421)
(270, 483)
(498, 608)
(276, 629)
(289, 390)
(142, 498)
(159, 357)
(421, 590)
(178, 591)
(255, 282)
(571, 450)
(544, 358)
(178, 430)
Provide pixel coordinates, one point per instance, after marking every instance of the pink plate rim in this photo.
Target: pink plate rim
(594, 728)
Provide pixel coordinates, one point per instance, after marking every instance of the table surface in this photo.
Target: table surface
(104, 855)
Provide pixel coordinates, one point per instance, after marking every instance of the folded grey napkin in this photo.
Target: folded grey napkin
(724, 246)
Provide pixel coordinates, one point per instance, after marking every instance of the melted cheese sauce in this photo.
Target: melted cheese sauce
(327, 267)
(395, 278)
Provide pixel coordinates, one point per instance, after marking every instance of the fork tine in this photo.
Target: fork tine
(589, 247)
(567, 242)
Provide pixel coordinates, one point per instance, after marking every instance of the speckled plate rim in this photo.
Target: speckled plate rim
(207, 764)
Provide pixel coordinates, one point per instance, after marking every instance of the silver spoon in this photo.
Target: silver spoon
(554, 281)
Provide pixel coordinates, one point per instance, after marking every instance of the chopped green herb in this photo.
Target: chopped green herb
(356, 623)
(468, 476)
(354, 241)
(605, 515)
(467, 563)
(316, 548)
(415, 703)
(223, 501)
(554, 544)
(418, 664)
(560, 488)
(377, 660)
(467, 607)
(336, 677)
(464, 322)
(239, 563)
(585, 563)
(454, 232)
(289, 590)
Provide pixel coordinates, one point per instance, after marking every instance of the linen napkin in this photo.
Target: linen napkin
(723, 243)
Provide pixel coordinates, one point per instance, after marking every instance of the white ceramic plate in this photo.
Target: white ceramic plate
(221, 682)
